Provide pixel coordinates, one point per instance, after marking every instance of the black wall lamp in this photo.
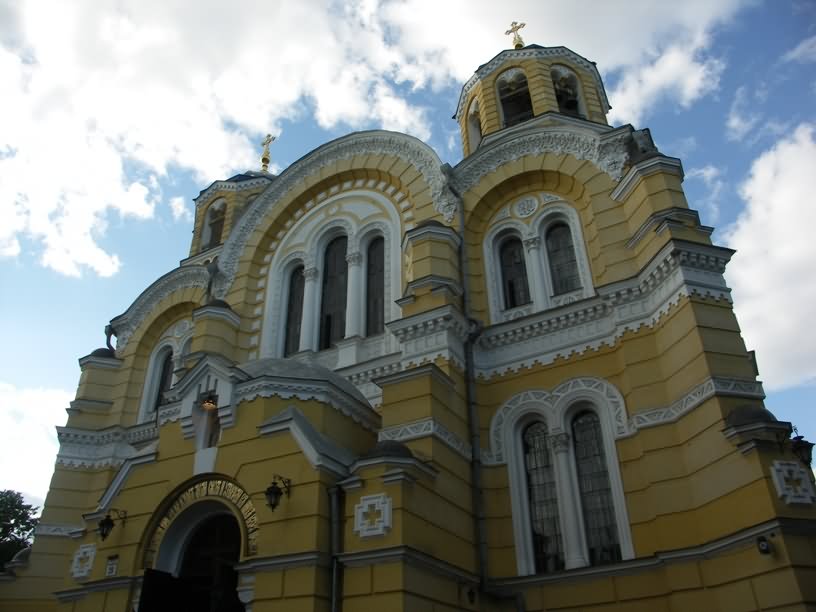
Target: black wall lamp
(106, 524)
(275, 491)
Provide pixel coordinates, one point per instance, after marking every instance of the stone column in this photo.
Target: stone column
(568, 509)
(354, 295)
(309, 323)
(535, 272)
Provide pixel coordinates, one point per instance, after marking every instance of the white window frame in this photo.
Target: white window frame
(556, 410)
(170, 341)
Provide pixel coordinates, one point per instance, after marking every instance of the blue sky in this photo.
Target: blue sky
(114, 116)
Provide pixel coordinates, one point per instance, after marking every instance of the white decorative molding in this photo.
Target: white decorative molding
(793, 482)
(545, 53)
(608, 152)
(377, 142)
(372, 516)
(217, 312)
(180, 278)
(525, 206)
(95, 449)
(218, 187)
(83, 561)
(678, 271)
(147, 455)
(318, 389)
(59, 531)
(642, 169)
(437, 333)
(424, 428)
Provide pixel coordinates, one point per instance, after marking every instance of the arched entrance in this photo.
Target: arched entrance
(205, 580)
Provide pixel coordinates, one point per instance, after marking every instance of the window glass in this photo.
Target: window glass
(595, 490)
(514, 273)
(375, 280)
(165, 378)
(333, 302)
(563, 263)
(547, 545)
(294, 312)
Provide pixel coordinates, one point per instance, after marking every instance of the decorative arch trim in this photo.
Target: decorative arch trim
(402, 146)
(607, 151)
(213, 488)
(129, 321)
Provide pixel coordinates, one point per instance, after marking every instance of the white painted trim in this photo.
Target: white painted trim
(171, 340)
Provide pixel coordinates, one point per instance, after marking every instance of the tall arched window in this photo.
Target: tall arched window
(544, 521)
(214, 227)
(562, 259)
(514, 273)
(595, 490)
(514, 97)
(567, 91)
(333, 302)
(165, 379)
(294, 312)
(375, 287)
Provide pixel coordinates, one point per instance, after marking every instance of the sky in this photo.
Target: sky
(114, 115)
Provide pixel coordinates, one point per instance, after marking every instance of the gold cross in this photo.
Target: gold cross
(793, 481)
(265, 153)
(371, 514)
(514, 30)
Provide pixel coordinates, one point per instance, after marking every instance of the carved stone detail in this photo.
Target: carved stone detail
(83, 561)
(793, 483)
(354, 259)
(424, 428)
(372, 516)
(526, 206)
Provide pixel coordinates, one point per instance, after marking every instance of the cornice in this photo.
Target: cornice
(642, 169)
(425, 428)
(217, 312)
(679, 270)
(655, 220)
(402, 146)
(526, 54)
(103, 363)
(441, 232)
(218, 187)
(321, 390)
(426, 336)
(180, 278)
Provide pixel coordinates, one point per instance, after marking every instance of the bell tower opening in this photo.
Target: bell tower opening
(514, 97)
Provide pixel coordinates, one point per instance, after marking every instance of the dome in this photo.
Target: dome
(747, 415)
(104, 352)
(389, 448)
(293, 369)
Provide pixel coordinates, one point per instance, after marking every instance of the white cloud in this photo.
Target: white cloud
(772, 272)
(741, 119)
(714, 183)
(181, 212)
(102, 101)
(27, 419)
(804, 52)
(681, 73)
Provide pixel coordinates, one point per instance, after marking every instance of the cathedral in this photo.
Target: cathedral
(382, 382)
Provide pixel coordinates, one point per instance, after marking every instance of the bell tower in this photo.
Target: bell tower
(525, 83)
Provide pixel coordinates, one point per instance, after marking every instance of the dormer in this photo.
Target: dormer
(524, 83)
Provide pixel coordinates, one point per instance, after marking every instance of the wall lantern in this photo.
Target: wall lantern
(106, 524)
(275, 491)
(209, 403)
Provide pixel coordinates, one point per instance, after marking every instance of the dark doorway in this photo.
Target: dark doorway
(207, 580)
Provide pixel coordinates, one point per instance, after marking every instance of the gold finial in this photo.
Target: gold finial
(265, 154)
(514, 30)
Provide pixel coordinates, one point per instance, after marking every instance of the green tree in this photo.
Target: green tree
(17, 522)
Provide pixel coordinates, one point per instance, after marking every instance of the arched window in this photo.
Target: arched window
(213, 225)
(514, 97)
(375, 287)
(514, 273)
(562, 259)
(595, 490)
(544, 521)
(333, 302)
(474, 124)
(294, 312)
(165, 379)
(567, 91)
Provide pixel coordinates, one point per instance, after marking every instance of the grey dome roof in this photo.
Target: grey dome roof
(389, 448)
(103, 352)
(21, 556)
(299, 370)
(748, 414)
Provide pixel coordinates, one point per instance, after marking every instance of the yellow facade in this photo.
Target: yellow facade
(555, 277)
